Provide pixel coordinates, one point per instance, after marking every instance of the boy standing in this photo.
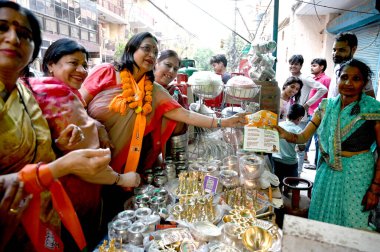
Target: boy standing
(285, 162)
(318, 67)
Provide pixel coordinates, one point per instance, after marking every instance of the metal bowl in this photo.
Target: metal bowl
(243, 92)
(251, 166)
(205, 231)
(209, 91)
(127, 215)
(257, 239)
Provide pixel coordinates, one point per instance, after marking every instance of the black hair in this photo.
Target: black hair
(363, 68)
(296, 111)
(296, 58)
(34, 25)
(131, 47)
(219, 58)
(348, 37)
(168, 54)
(321, 62)
(60, 48)
(289, 81)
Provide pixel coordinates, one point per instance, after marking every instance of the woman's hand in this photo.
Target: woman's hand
(70, 136)
(130, 179)
(83, 163)
(237, 120)
(13, 202)
(370, 200)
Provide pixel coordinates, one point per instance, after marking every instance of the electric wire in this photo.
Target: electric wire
(167, 15)
(334, 8)
(316, 12)
(217, 20)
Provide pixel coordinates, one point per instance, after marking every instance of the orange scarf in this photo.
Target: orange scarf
(43, 238)
(137, 96)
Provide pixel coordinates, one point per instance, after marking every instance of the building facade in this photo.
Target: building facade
(308, 29)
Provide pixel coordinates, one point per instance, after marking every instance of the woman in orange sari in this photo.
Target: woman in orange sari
(139, 114)
(26, 154)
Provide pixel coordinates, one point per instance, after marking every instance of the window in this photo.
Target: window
(58, 11)
(84, 35)
(64, 29)
(72, 17)
(33, 4)
(45, 43)
(50, 8)
(74, 32)
(51, 25)
(93, 37)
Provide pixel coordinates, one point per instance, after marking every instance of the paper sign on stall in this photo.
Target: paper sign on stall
(258, 135)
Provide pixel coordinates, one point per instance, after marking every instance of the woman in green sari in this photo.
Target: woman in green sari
(347, 183)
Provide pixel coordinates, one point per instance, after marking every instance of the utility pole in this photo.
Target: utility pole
(275, 29)
(234, 59)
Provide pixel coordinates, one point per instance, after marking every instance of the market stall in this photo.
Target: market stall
(211, 194)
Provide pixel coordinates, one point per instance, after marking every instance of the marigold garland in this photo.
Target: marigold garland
(134, 96)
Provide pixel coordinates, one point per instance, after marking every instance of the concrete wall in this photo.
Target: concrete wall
(304, 35)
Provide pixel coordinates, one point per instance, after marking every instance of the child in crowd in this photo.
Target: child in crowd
(290, 94)
(285, 162)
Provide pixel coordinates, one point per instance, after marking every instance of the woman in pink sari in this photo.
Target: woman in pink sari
(139, 114)
(65, 62)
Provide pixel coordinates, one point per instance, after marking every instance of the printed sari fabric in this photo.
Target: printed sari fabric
(120, 127)
(62, 105)
(341, 182)
(25, 139)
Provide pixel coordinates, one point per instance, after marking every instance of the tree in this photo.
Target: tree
(234, 52)
(202, 57)
(119, 50)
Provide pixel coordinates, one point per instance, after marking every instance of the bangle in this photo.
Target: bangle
(117, 179)
(38, 180)
(212, 122)
(219, 123)
(314, 123)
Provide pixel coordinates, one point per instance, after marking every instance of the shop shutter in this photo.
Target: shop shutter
(369, 49)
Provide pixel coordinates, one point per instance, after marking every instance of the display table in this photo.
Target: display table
(300, 234)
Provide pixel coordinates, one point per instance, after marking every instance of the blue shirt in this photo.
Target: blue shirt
(287, 154)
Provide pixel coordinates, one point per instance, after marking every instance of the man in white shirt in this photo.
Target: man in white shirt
(344, 48)
(295, 65)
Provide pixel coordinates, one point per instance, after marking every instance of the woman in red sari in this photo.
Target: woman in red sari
(139, 114)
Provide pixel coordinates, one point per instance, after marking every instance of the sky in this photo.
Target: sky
(209, 31)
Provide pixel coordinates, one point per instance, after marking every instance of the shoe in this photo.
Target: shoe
(306, 161)
(310, 167)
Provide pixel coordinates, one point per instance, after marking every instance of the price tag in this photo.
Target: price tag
(210, 184)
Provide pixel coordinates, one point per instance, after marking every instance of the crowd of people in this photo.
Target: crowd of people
(75, 142)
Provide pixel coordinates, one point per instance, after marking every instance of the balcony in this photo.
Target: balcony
(140, 20)
(110, 13)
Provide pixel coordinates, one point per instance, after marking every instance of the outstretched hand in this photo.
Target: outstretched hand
(83, 163)
(237, 120)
